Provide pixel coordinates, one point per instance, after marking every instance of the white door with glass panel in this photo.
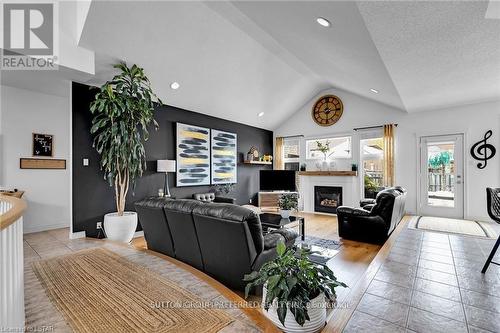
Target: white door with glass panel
(441, 176)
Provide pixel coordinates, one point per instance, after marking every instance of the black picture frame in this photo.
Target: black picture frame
(43, 145)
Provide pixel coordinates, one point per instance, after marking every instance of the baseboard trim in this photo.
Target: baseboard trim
(30, 230)
(138, 234)
(76, 235)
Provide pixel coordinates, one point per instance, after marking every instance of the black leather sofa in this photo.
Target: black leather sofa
(223, 240)
(375, 221)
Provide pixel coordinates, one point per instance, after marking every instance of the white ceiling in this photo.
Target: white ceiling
(439, 54)
(237, 59)
(222, 71)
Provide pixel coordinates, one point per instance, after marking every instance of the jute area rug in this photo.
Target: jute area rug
(454, 226)
(99, 291)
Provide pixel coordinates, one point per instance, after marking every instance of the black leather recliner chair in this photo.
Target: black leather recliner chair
(367, 203)
(375, 221)
(223, 240)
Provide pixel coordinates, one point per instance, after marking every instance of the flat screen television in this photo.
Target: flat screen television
(277, 180)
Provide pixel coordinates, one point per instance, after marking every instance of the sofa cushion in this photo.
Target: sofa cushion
(207, 197)
(180, 220)
(153, 202)
(154, 224)
(182, 205)
(237, 214)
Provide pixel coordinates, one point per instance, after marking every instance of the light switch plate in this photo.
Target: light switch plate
(85, 162)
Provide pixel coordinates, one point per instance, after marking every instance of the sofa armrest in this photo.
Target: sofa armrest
(225, 200)
(352, 211)
(272, 239)
(364, 202)
(368, 207)
(288, 234)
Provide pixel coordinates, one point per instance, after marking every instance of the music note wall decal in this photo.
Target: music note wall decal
(483, 151)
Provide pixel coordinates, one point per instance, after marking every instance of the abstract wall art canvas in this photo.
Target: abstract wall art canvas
(193, 155)
(224, 157)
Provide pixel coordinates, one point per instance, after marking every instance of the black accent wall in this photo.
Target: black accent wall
(93, 197)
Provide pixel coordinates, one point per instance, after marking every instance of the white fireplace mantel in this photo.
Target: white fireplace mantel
(307, 182)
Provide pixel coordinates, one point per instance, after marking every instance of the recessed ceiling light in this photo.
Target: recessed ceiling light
(175, 85)
(375, 91)
(260, 114)
(323, 22)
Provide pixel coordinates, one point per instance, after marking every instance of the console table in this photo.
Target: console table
(269, 200)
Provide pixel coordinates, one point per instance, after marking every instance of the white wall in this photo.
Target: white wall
(47, 191)
(472, 120)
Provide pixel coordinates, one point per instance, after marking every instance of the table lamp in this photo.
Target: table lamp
(166, 166)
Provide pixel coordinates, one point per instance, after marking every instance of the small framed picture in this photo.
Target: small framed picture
(43, 145)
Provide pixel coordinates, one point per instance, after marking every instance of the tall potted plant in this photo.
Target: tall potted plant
(123, 110)
(295, 290)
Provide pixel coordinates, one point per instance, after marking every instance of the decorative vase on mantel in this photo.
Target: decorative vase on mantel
(323, 165)
(332, 166)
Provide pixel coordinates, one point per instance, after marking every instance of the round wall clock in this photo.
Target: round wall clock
(327, 110)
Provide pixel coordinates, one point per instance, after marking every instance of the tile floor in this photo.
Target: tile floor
(432, 282)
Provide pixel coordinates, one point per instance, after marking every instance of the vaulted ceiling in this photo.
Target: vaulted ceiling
(235, 60)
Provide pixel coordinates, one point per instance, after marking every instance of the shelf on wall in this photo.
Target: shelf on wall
(328, 173)
(258, 162)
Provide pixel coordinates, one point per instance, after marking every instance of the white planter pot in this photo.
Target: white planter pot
(285, 213)
(316, 311)
(120, 228)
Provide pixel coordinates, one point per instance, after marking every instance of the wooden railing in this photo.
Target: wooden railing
(11, 264)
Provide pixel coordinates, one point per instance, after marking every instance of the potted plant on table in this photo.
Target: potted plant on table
(123, 110)
(288, 202)
(296, 291)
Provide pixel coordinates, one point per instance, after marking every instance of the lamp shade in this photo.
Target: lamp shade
(165, 166)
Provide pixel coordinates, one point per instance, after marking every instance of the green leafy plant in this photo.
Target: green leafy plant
(370, 184)
(224, 189)
(293, 280)
(324, 148)
(440, 161)
(288, 201)
(123, 110)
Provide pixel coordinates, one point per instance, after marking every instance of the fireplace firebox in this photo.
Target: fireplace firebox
(327, 199)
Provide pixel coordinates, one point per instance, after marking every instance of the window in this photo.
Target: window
(291, 152)
(291, 149)
(337, 148)
(372, 161)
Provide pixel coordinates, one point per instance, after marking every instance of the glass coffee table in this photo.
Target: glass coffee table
(275, 221)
